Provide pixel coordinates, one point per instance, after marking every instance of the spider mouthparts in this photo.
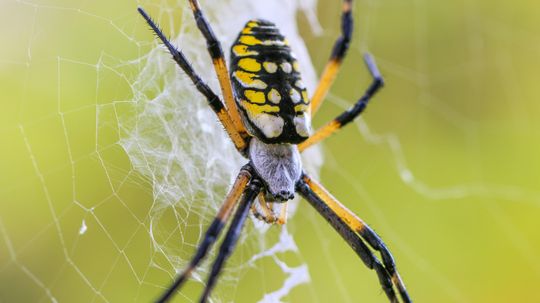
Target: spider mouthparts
(284, 195)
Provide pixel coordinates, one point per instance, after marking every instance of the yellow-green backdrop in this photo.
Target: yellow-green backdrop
(444, 164)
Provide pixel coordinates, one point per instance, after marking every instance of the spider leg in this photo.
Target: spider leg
(231, 238)
(282, 218)
(338, 53)
(213, 100)
(352, 113)
(355, 232)
(212, 233)
(218, 60)
(267, 214)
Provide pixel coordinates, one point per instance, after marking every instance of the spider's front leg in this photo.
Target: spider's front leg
(349, 115)
(218, 60)
(235, 132)
(336, 58)
(355, 232)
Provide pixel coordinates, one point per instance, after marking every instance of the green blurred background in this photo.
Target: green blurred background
(444, 164)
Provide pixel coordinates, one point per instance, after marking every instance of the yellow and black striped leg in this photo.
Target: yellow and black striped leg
(212, 233)
(352, 113)
(231, 238)
(355, 232)
(338, 53)
(213, 100)
(218, 60)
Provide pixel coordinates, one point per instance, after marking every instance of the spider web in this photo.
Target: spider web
(114, 165)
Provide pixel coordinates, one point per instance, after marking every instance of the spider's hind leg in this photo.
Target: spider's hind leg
(231, 238)
(356, 232)
(212, 232)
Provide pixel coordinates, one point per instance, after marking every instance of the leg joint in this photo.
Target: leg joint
(212, 44)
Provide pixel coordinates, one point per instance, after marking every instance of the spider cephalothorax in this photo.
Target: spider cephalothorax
(279, 167)
(269, 90)
(267, 114)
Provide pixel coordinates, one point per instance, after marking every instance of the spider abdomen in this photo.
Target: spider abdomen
(268, 87)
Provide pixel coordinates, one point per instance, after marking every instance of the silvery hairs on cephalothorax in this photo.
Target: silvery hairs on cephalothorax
(279, 166)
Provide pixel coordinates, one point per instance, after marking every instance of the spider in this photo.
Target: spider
(267, 114)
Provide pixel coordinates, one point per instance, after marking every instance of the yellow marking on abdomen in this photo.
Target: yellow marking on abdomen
(304, 95)
(296, 66)
(249, 40)
(248, 80)
(255, 96)
(301, 108)
(256, 109)
(241, 50)
(249, 64)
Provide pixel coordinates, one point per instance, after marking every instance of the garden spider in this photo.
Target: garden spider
(267, 114)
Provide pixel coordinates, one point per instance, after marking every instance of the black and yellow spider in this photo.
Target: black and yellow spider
(267, 114)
